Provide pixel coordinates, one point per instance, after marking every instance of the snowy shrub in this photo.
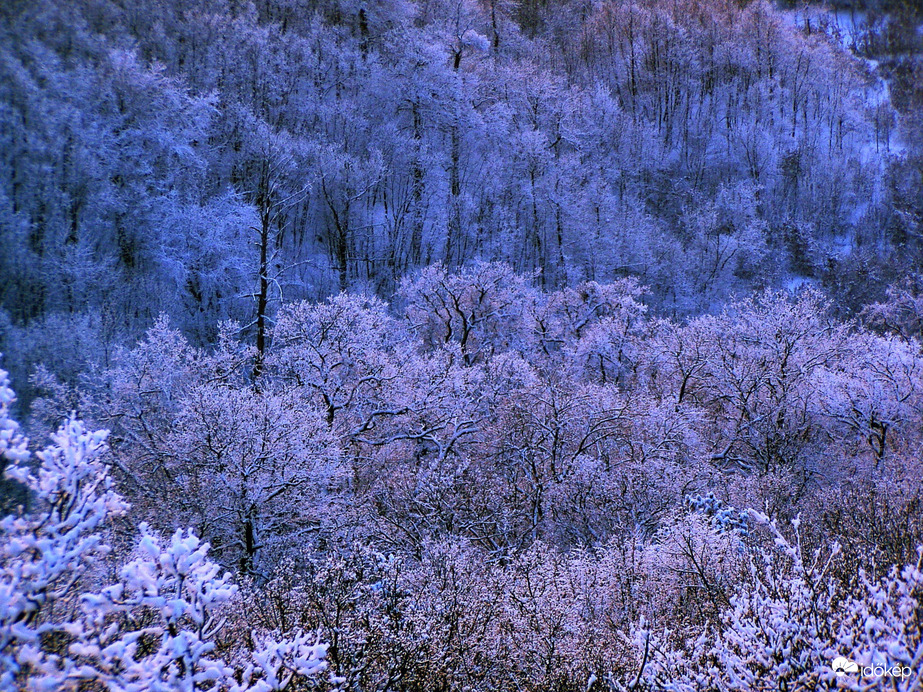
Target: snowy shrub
(151, 631)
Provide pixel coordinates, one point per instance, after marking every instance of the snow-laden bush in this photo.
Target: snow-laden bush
(787, 624)
(154, 629)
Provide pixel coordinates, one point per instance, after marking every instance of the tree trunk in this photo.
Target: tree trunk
(262, 299)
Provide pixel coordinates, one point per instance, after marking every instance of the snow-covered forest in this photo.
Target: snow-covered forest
(475, 345)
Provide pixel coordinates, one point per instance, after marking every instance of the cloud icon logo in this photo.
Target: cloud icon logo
(841, 666)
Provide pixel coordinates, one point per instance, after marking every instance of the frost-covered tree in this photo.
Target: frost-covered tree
(48, 553)
(483, 308)
(251, 470)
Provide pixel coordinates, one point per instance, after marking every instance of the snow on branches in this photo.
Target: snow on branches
(154, 629)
